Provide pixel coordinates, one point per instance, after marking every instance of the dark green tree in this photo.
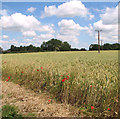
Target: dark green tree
(93, 47)
(107, 46)
(83, 49)
(65, 47)
(55, 45)
(116, 46)
(12, 48)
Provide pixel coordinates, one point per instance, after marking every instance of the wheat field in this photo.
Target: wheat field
(86, 80)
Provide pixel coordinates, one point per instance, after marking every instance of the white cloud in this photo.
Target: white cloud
(70, 27)
(110, 16)
(28, 25)
(3, 12)
(45, 36)
(106, 28)
(29, 34)
(5, 37)
(31, 9)
(108, 24)
(69, 31)
(19, 22)
(46, 28)
(68, 9)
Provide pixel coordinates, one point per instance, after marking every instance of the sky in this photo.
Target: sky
(25, 23)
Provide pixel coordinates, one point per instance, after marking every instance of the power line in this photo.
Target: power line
(98, 40)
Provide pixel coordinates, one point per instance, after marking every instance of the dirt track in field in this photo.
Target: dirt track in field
(29, 102)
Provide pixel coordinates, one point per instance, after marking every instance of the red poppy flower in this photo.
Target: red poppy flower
(37, 69)
(7, 80)
(41, 67)
(67, 77)
(63, 80)
(49, 100)
(91, 86)
(9, 77)
(92, 107)
(22, 72)
(66, 73)
(108, 109)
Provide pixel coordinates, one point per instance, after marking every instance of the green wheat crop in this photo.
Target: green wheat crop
(91, 78)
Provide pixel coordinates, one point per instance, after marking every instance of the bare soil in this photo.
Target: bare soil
(29, 102)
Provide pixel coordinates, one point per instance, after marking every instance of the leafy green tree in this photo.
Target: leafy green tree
(12, 48)
(93, 47)
(75, 49)
(83, 49)
(116, 46)
(55, 45)
(65, 47)
(43, 46)
(107, 46)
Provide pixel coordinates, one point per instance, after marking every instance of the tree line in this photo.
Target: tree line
(107, 46)
(51, 45)
(57, 45)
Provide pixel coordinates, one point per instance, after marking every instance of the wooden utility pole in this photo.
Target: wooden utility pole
(98, 40)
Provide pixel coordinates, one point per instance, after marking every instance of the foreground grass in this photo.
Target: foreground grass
(82, 79)
(12, 111)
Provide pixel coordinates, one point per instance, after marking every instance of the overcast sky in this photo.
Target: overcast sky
(74, 22)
